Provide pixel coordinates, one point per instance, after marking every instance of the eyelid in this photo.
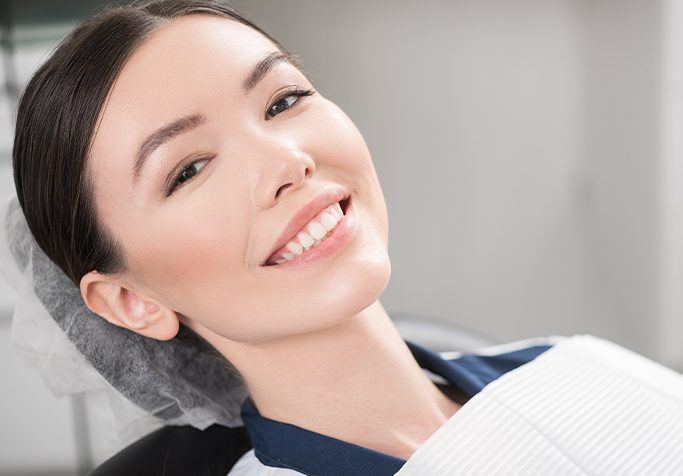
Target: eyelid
(283, 93)
(170, 181)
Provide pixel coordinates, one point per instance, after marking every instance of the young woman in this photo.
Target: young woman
(177, 164)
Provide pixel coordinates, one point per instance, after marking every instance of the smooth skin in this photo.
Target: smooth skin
(315, 346)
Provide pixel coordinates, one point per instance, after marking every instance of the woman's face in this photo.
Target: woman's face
(245, 169)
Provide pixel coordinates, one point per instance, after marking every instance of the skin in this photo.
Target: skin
(314, 345)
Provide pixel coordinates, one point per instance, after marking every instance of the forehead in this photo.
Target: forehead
(180, 60)
(184, 54)
(181, 67)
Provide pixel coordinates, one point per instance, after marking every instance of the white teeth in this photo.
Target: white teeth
(305, 239)
(295, 247)
(328, 221)
(316, 230)
(333, 211)
(337, 208)
(313, 233)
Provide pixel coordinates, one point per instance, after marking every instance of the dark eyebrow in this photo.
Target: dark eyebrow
(265, 64)
(161, 135)
(189, 122)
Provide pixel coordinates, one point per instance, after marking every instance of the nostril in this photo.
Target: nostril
(279, 190)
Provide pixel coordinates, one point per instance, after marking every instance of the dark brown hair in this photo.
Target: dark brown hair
(56, 117)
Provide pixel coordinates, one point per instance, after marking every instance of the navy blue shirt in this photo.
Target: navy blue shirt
(283, 445)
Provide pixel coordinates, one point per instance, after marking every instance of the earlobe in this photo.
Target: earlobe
(123, 307)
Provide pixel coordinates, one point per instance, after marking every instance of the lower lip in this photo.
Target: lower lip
(333, 244)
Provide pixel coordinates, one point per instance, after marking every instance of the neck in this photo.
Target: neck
(356, 381)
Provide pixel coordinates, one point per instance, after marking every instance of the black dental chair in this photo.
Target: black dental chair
(185, 450)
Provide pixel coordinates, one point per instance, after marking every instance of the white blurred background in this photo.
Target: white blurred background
(530, 153)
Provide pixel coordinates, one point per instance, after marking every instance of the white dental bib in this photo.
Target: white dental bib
(585, 406)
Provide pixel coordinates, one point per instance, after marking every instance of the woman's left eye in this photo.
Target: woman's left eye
(185, 175)
(284, 102)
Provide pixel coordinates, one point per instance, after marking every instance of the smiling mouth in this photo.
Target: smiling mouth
(271, 261)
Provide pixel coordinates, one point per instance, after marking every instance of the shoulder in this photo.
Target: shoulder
(249, 465)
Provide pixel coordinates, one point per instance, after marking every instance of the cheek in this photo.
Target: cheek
(337, 139)
(344, 147)
(195, 246)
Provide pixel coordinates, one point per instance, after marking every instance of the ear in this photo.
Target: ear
(120, 305)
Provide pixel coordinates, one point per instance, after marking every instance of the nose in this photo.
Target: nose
(284, 171)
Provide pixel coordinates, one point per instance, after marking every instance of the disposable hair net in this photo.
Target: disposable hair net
(176, 382)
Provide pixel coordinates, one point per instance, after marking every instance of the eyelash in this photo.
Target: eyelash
(297, 92)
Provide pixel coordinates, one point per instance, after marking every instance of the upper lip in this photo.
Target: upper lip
(322, 200)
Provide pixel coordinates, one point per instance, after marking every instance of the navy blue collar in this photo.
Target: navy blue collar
(284, 445)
